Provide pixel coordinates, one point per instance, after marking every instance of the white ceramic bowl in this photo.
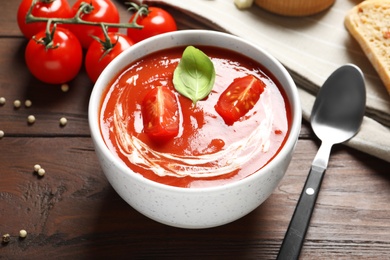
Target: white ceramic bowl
(194, 207)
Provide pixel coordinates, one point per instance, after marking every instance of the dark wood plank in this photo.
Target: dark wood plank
(73, 211)
(8, 21)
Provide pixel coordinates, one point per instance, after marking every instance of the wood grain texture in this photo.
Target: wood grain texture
(73, 213)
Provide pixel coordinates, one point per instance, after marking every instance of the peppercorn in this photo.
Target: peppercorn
(65, 87)
(41, 172)
(37, 167)
(27, 103)
(17, 103)
(22, 233)
(31, 119)
(63, 121)
(6, 238)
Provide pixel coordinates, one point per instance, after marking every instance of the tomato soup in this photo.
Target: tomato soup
(206, 151)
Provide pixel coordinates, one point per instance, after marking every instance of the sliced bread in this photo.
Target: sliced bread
(369, 23)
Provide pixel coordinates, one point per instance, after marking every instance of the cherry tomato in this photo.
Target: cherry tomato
(156, 21)
(100, 54)
(240, 97)
(57, 64)
(43, 8)
(160, 114)
(103, 11)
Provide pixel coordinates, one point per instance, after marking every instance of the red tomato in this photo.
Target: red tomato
(160, 114)
(54, 65)
(156, 21)
(240, 97)
(103, 11)
(54, 9)
(100, 54)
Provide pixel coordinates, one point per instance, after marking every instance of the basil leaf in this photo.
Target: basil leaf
(195, 75)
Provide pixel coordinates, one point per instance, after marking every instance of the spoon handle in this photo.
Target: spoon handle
(295, 235)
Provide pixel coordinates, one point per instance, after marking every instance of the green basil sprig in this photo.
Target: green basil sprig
(195, 75)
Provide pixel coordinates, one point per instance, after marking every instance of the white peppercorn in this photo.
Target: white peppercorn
(65, 87)
(31, 119)
(41, 172)
(22, 233)
(37, 167)
(17, 103)
(6, 238)
(27, 103)
(63, 121)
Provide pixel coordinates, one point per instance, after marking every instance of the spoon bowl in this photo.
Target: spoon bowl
(336, 117)
(339, 107)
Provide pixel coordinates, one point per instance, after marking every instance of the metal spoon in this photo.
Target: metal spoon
(336, 117)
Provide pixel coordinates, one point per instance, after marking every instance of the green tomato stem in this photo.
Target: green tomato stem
(106, 44)
(47, 41)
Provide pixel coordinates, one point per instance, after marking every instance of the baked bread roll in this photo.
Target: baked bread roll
(295, 7)
(369, 23)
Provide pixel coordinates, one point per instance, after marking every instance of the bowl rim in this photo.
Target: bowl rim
(100, 85)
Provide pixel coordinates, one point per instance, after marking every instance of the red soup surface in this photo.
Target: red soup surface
(206, 151)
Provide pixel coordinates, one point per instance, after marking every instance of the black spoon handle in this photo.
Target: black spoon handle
(295, 235)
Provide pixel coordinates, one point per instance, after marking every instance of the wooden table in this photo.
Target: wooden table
(73, 213)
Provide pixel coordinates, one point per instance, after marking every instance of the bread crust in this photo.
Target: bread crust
(368, 22)
(295, 7)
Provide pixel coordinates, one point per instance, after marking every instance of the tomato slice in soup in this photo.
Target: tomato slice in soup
(240, 97)
(160, 114)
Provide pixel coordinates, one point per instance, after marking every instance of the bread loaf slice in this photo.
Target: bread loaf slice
(369, 23)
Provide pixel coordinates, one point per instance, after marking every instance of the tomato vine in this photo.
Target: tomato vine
(82, 21)
(84, 8)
